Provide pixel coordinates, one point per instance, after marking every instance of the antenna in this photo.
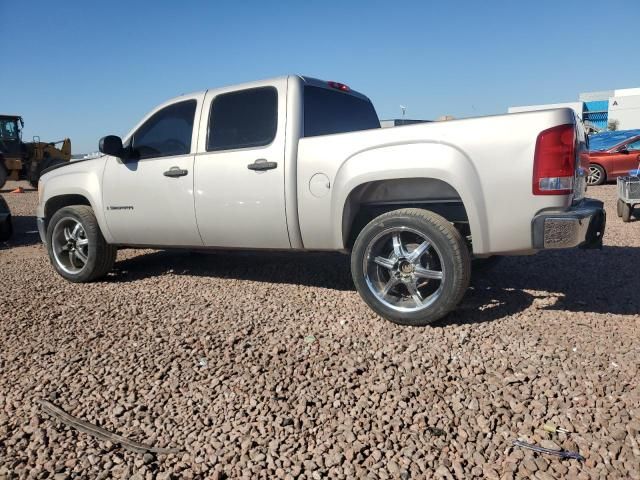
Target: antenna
(404, 109)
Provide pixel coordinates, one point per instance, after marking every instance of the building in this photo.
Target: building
(610, 109)
(396, 122)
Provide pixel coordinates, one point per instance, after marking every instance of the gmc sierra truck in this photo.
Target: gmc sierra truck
(296, 163)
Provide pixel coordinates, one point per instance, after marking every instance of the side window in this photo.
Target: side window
(168, 132)
(248, 118)
(634, 146)
(8, 130)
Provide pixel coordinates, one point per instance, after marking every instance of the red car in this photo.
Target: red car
(615, 162)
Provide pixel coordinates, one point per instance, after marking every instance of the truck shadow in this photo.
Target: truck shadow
(325, 270)
(595, 281)
(589, 281)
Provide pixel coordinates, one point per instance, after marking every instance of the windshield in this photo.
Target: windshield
(328, 111)
(8, 129)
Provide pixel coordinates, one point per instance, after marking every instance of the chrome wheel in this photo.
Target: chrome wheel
(595, 175)
(70, 245)
(404, 269)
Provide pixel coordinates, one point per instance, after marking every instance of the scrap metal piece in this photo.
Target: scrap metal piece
(548, 451)
(553, 429)
(100, 432)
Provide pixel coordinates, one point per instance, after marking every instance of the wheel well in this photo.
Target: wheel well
(56, 203)
(372, 199)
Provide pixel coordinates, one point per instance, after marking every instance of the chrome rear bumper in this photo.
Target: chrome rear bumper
(582, 225)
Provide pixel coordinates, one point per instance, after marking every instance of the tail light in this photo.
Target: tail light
(554, 162)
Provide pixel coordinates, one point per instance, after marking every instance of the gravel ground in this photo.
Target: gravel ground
(270, 366)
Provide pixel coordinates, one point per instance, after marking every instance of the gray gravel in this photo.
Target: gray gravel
(270, 366)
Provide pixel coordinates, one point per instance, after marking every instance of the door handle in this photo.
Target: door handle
(175, 172)
(262, 164)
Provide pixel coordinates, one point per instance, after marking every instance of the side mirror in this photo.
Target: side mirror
(623, 150)
(111, 145)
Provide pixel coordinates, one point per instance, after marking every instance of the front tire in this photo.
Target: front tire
(597, 175)
(411, 266)
(76, 246)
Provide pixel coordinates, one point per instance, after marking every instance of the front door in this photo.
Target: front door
(148, 198)
(240, 174)
(629, 160)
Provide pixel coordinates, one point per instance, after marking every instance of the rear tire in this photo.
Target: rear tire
(411, 266)
(76, 246)
(627, 209)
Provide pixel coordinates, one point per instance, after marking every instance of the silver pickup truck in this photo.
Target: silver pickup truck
(296, 163)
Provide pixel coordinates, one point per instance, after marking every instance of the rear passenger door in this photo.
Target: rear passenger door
(239, 170)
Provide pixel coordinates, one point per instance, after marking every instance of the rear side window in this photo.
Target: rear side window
(327, 111)
(248, 118)
(168, 132)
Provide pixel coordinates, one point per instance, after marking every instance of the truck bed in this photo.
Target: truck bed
(487, 160)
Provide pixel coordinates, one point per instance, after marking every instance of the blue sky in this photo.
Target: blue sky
(86, 69)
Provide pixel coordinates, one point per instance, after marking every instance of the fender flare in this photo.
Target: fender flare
(434, 160)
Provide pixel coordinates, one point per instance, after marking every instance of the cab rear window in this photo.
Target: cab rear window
(328, 111)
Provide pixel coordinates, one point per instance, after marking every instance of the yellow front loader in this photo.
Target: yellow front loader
(26, 160)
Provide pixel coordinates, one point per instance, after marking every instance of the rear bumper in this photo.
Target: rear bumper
(582, 226)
